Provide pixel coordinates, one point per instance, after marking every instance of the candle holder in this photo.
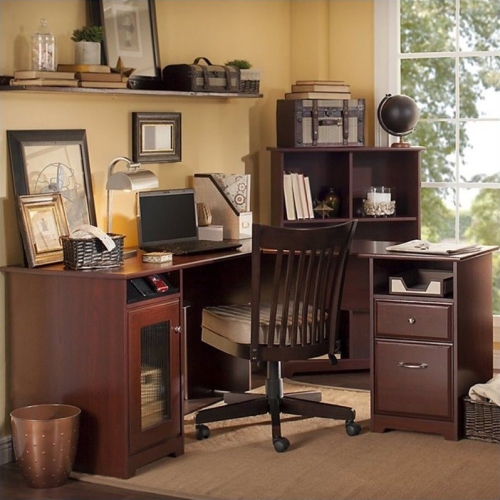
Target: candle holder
(378, 202)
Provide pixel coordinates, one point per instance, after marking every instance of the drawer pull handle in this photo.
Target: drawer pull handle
(403, 364)
(411, 321)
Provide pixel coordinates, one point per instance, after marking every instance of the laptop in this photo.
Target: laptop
(168, 222)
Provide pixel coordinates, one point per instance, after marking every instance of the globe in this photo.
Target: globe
(398, 115)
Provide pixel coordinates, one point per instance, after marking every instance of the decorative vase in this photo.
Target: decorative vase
(87, 53)
(332, 199)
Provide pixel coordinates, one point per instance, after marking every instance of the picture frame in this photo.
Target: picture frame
(54, 161)
(42, 222)
(130, 33)
(156, 137)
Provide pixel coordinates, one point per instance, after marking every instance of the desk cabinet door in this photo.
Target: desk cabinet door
(413, 379)
(155, 370)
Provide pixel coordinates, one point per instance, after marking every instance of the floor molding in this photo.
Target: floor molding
(6, 452)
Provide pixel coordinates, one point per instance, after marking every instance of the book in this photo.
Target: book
(310, 206)
(89, 68)
(303, 197)
(319, 82)
(317, 95)
(288, 195)
(92, 76)
(296, 186)
(45, 82)
(422, 246)
(103, 85)
(321, 88)
(32, 74)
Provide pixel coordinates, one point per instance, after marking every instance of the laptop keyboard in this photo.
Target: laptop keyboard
(194, 247)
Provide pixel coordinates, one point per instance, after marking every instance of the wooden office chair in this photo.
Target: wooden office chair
(297, 281)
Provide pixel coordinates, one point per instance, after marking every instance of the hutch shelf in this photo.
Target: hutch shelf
(352, 171)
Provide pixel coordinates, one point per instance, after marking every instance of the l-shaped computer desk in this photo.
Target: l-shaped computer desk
(87, 338)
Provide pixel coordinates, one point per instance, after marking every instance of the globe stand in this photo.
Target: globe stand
(401, 144)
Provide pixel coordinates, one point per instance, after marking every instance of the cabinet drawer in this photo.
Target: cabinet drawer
(413, 320)
(413, 379)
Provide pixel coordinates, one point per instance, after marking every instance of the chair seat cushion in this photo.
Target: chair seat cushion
(233, 322)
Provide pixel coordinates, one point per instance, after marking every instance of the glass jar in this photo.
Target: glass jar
(332, 199)
(43, 49)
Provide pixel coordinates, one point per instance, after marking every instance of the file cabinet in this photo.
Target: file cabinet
(426, 352)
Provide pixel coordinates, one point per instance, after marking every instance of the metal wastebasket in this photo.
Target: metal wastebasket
(45, 439)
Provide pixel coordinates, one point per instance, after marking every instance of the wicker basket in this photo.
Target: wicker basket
(250, 81)
(90, 253)
(482, 420)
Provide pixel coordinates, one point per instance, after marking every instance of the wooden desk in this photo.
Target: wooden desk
(79, 337)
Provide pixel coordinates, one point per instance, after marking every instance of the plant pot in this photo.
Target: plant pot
(87, 53)
(45, 439)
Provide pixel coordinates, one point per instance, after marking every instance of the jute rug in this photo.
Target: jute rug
(238, 461)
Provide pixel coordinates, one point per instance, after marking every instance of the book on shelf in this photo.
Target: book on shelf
(317, 95)
(298, 199)
(89, 68)
(317, 87)
(320, 82)
(103, 85)
(33, 74)
(92, 76)
(288, 195)
(44, 82)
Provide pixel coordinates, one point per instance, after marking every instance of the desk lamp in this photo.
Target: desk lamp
(134, 179)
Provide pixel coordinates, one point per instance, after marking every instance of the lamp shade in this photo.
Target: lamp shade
(132, 181)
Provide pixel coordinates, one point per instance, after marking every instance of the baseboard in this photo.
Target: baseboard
(6, 451)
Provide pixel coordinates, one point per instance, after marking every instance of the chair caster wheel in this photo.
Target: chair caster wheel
(352, 428)
(281, 444)
(202, 432)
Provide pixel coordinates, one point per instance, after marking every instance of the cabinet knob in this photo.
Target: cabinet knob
(177, 329)
(411, 321)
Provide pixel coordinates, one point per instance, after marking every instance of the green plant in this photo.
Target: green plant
(239, 63)
(88, 34)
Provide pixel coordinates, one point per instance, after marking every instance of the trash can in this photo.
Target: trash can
(45, 439)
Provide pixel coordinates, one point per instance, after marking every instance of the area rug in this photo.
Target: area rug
(238, 461)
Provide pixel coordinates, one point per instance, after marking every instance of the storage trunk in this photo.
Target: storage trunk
(320, 122)
(201, 77)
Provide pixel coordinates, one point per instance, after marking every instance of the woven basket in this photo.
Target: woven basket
(249, 86)
(482, 420)
(90, 253)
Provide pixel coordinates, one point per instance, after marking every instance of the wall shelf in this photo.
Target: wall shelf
(155, 93)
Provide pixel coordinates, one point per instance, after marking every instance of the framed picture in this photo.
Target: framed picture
(156, 137)
(42, 221)
(54, 161)
(129, 34)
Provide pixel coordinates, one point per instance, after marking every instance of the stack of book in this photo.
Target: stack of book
(298, 199)
(96, 76)
(319, 89)
(44, 78)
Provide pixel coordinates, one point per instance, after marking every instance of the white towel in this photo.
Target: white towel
(487, 392)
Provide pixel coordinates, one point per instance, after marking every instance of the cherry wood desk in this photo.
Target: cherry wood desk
(76, 337)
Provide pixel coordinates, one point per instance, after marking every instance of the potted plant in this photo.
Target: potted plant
(88, 44)
(249, 78)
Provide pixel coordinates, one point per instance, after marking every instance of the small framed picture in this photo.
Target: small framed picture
(42, 221)
(156, 137)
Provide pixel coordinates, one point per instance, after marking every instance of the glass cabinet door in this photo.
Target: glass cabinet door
(155, 373)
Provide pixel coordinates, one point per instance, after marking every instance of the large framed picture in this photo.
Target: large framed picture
(54, 161)
(156, 137)
(130, 34)
(42, 221)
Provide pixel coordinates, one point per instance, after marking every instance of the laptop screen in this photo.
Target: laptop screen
(166, 216)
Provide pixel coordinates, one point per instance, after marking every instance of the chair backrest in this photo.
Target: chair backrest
(297, 281)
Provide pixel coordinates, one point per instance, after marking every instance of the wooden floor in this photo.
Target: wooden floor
(13, 487)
